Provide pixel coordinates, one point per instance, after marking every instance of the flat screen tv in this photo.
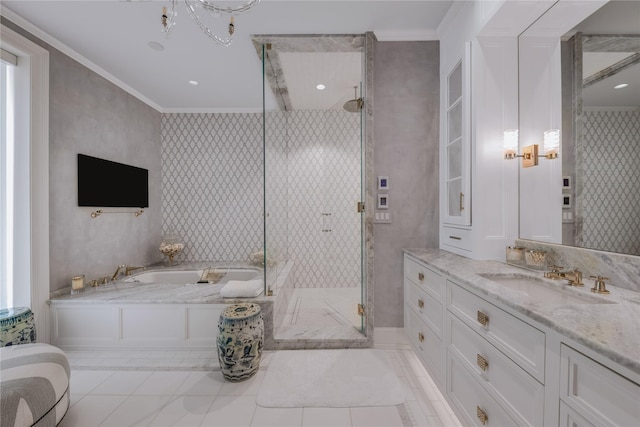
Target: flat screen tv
(105, 183)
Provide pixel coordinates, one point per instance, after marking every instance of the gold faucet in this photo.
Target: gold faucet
(115, 275)
(129, 268)
(573, 276)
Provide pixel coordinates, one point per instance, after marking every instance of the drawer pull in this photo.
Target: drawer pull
(482, 416)
(483, 319)
(421, 277)
(455, 237)
(420, 303)
(420, 337)
(482, 362)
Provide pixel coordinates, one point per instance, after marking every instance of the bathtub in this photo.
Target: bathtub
(189, 277)
(163, 308)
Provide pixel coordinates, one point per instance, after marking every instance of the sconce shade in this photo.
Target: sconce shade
(510, 143)
(552, 143)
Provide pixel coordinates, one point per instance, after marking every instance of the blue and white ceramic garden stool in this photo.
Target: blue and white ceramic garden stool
(240, 339)
(16, 326)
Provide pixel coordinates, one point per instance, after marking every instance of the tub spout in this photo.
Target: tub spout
(130, 268)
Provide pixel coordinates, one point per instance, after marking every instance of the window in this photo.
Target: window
(24, 215)
(7, 68)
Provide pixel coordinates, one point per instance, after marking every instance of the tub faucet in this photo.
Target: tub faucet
(130, 268)
(115, 275)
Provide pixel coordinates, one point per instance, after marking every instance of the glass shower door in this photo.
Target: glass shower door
(313, 183)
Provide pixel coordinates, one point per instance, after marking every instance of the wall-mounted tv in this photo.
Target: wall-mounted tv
(105, 183)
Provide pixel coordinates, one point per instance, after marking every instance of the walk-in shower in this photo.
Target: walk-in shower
(314, 184)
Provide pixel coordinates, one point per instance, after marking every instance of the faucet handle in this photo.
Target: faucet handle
(599, 285)
(553, 273)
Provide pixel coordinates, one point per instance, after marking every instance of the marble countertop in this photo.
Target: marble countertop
(611, 329)
(121, 292)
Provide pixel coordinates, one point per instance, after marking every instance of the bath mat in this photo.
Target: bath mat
(330, 378)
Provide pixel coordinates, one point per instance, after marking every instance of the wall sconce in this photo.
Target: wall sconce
(551, 143)
(530, 153)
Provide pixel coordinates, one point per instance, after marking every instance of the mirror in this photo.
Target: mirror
(590, 198)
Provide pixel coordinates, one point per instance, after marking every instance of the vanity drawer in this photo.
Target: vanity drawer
(474, 404)
(426, 306)
(515, 388)
(457, 237)
(426, 344)
(520, 341)
(570, 418)
(423, 277)
(597, 393)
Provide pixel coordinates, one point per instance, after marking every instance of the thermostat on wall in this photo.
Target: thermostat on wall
(383, 201)
(383, 183)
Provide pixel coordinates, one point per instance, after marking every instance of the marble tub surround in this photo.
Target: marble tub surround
(132, 290)
(279, 338)
(610, 328)
(622, 270)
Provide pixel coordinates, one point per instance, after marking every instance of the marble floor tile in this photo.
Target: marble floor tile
(196, 394)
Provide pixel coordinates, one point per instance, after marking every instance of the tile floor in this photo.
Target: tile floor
(187, 390)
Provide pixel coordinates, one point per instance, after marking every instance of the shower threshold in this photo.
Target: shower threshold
(321, 318)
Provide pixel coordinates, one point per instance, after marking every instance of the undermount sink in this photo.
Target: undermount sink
(538, 291)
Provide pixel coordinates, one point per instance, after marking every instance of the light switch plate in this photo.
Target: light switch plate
(382, 218)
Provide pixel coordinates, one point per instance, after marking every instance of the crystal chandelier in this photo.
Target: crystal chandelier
(209, 7)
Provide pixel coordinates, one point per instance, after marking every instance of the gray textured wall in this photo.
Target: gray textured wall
(90, 115)
(406, 112)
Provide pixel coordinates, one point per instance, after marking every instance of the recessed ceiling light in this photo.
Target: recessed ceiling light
(320, 87)
(193, 83)
(156, 46)
(620, 86)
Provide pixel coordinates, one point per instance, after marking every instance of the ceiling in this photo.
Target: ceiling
(113, 38)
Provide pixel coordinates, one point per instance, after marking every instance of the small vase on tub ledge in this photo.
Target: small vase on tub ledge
(171, 246)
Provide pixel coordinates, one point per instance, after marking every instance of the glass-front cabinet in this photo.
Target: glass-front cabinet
(457, 146)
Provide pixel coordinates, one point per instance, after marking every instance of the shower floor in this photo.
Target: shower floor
(326, 307)
(322, 313)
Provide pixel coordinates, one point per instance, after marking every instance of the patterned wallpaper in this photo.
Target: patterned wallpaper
(611, 191)
(323, 188)
(212, 193)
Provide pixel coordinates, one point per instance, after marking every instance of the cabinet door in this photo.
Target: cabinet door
(457, 143)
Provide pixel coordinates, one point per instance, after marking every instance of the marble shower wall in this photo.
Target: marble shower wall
(611, 181)
(323, 184)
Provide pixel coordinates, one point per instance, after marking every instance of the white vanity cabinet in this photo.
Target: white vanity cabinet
(501, 356)
(424, 315)
(457, 143)
(592, 394)
(476, 218)
(497, 366)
